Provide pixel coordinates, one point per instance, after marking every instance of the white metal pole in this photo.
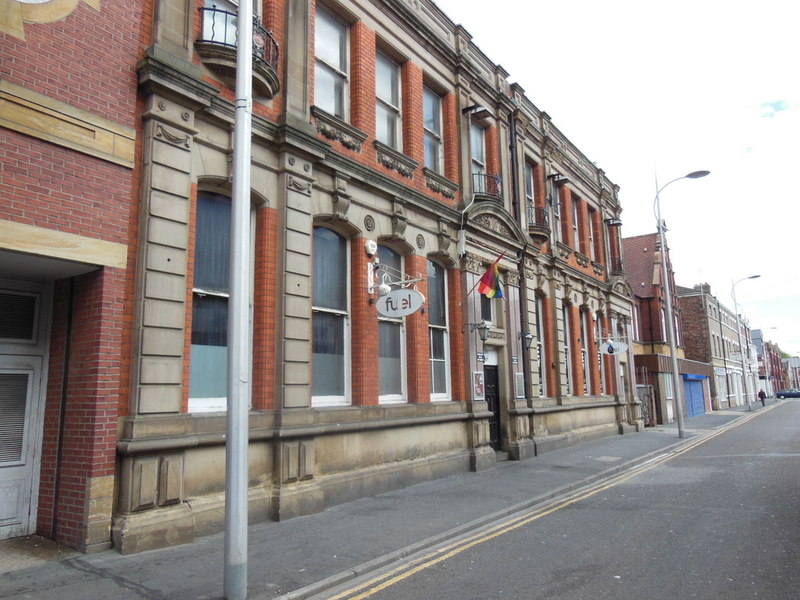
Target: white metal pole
(236, 462)
(739, 336)
(677, 391)
(677, 396)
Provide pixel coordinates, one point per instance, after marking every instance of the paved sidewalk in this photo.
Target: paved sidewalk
(306, 555)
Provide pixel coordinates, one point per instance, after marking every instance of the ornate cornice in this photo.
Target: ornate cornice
(392, 159)
(337, 130)
(440, 185)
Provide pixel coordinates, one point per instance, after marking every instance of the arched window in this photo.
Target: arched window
(330, 319)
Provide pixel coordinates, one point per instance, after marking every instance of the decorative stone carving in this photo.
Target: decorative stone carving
(298, 185)
(439, 184)
(512, 278)
(564, 252)
(420, 241)
(369, 223)
(444, 239)
(399, 220)
(394, 160)
(341, 199)
(173, 138)
(337, 130)
(598, 269)
(493, 224)
(473, 263)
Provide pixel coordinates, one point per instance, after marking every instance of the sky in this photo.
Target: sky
(652, 91)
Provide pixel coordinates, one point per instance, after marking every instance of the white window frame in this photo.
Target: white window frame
(599, 337)
(402, 397)
(541, 349)
(555, 205)
(477, 153)
(220, 404)
(575, 228)
(391, 106)
(334, 70)
(530, 192)
(435, 162)
(585, 332)
(441, 396)
(567, 354)
(338, 400)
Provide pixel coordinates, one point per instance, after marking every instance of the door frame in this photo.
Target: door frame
(31, 356)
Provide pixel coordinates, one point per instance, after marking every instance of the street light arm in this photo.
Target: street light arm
(656, 207)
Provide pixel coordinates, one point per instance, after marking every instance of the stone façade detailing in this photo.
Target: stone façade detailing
(439, 184)
(494, 224)
(394, 160)
(337, 130)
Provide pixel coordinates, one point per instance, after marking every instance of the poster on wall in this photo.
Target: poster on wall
(520, 384)
(477, 385)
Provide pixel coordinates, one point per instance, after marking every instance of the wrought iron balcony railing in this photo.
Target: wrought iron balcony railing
(537, 217)
(487, 185)
(219, 28)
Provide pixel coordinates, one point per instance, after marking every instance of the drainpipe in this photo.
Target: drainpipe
(62, 408)
(523, 288)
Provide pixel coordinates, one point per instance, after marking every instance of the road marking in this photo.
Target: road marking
(434, 557)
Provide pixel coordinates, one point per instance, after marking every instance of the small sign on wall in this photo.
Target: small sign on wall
(519, 380)
(478, 392)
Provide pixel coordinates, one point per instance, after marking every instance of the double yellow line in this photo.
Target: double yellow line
(441, 554)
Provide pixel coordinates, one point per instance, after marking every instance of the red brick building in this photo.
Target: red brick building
(390, 157)
(711, 336)
(644, 268)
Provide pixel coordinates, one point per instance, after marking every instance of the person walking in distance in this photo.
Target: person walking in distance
(762, 396)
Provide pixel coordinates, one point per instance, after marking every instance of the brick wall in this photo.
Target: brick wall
(84, 374)
(364, 340)
(696, 335)
(417, 344)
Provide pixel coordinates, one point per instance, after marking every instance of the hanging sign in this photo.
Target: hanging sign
(613, 347)
(400, 303)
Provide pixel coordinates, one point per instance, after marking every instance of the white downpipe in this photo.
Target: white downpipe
(236, 463)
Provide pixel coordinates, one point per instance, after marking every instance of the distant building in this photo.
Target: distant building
(710, 336)
(773, 373)
(644, 269)
(792, 368)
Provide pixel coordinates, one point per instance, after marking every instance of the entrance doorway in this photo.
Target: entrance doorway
(22, 345)
(493, 401)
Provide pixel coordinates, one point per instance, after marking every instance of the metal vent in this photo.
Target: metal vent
(13, 397)
(17, 316)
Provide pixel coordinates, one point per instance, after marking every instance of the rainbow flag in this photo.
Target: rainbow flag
(489, 284)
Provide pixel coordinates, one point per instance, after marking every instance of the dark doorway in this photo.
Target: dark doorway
(492, 399)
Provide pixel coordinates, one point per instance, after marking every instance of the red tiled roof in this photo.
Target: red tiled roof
(637, 258)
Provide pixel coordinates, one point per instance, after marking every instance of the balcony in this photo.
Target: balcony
(217, 48)
(538, 225)
(487, 187)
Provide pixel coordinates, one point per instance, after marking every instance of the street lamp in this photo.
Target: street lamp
(739, 335)
(677, 397)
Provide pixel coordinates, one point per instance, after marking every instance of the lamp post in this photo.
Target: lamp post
(739, 336)
(677, 396)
